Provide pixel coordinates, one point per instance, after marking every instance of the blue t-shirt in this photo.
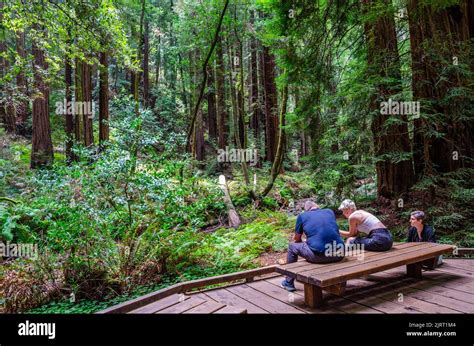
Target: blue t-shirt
(320, 228)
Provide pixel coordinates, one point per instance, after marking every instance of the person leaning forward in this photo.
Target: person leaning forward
(323, 243)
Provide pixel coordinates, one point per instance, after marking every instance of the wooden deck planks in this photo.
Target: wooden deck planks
(340, 305)
(296, 300)
(224, 296)
(262, 300)
(447, 292)
(160, 304)
(229, 309)
(398, 293)
(399, 290)
(209, 307)
(448, 289)
(184, 306)
(455, 270)
(460, 263)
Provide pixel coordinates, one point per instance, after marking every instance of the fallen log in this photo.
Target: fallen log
(234, 218)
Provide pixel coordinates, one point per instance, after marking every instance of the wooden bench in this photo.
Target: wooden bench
(332, 277)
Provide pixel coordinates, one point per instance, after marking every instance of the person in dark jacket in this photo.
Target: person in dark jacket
(419, 232)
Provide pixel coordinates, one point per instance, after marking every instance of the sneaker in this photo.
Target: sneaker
(289, 286)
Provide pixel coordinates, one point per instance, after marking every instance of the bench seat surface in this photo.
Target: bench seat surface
(352, 267)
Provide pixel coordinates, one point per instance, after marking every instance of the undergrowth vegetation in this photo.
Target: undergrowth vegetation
(107, 233)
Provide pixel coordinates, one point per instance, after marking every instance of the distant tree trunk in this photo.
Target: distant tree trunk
(158, 62)
(5, 117)
(184, 94)
(198, 143)
(302, 130)
(233, 97)
(42, 145)
(104, 98)
(204, 67)
(271, 106)
(157, 71)
(393, 178)
(22, 106)
(223, 127)
(7, 110)
(237, 120)
(132, 82)
(199, 138)
(261, 98)
(439, 35)
(211, 103)
(78, 129)
(137, 74)
(69, 115)
(86, 86)
(254, 101)
(146, 54)
(315, 128)
(3, 48)
(279, 154)
(240, 93)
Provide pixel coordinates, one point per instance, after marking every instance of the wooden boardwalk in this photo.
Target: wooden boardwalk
(447, 289)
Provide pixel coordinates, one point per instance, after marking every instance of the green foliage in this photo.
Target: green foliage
(242, 246)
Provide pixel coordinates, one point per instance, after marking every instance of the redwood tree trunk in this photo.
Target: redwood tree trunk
(271, 106)
(22, 106)
(9, 126)
(211, 103)
(7, 109)
(69, 115)
(254, 101)
(104, 99)
(240, 95)
(393, 178)
(78, 128)
(86, 86)
(146, 54)
(223, 127)
(441, 33)
(42, 145)
(199, 138)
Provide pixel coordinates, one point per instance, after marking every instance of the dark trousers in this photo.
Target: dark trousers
(378, 240)
(302, 249)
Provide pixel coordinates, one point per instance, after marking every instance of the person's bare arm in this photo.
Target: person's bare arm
(352, 227)
(344, 233)
(297, 238)
(298, 229)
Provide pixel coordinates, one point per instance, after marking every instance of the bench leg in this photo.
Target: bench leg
(337, 289)
(414, 269)
(313, 296)
(431, 263)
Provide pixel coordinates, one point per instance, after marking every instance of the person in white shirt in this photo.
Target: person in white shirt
(378, 237)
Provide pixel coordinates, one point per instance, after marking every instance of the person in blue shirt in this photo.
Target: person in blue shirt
(323, 243)
(419, 232)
